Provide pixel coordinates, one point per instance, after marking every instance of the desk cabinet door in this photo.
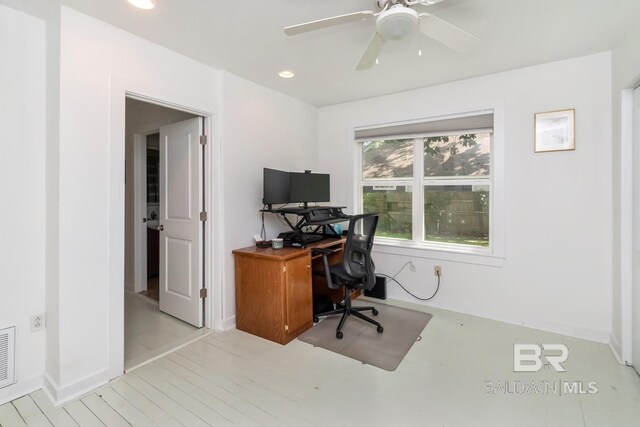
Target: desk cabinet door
(298, 294)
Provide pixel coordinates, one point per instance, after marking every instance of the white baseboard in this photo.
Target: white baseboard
(614, 345)
(142, 297)
(129, 287)
(569, 330)
(21, 388)
(602, 337)
(61, 395)
(228, 323)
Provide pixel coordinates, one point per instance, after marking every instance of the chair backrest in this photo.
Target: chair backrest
(356, 258)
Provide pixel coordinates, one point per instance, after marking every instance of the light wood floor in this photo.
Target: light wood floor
(233, 378)
(148, 332)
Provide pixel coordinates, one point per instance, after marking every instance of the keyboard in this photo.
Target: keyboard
(300, 237)
(322, 216)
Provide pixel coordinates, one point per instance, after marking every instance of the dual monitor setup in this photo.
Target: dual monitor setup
(314, 223)
(294, 187)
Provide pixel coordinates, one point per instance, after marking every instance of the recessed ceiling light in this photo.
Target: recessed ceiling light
(143, 4)
(286, 74)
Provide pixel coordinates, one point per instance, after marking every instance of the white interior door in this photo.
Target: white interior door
(635, 349)
(181, 272)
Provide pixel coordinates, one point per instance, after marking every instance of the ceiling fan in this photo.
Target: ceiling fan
(395, 21)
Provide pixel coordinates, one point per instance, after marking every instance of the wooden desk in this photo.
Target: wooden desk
(274, 289)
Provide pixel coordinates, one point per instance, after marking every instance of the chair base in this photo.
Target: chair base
(347, 310)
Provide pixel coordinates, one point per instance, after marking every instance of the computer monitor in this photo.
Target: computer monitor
(309, 187)
(275, 187)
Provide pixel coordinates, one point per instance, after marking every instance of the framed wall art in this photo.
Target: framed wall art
(555, 131)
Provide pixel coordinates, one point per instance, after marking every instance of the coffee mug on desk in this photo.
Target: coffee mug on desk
(277, 243)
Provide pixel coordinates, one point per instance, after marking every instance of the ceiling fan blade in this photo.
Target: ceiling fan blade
(327, 22)
(447, 34)
(422, 3)
(371, 53)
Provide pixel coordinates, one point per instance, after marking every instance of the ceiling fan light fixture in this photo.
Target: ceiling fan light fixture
(397, 22)
(143, 4)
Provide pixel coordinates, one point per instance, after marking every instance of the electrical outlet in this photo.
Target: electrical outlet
(437, 271)
(37, 322)
(412, 266)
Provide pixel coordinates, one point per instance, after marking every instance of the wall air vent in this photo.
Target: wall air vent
(7, 356)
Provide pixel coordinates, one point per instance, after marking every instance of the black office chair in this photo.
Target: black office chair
(356, 272)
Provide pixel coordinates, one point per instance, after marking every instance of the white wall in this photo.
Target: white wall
(626, 75)
(96, 59)
(22, 174)
(253, 127)
(557, 271)
(260, 128)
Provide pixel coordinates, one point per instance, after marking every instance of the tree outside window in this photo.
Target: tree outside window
(453, 174)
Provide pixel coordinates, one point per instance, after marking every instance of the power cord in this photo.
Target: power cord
(406, 290)
(263, 231)
(282, 221)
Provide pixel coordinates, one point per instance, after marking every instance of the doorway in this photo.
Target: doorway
(152, 219)
(164, 238)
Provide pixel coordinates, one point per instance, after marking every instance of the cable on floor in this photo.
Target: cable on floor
(409, 292)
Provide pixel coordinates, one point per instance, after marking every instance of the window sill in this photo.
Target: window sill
(464, 255)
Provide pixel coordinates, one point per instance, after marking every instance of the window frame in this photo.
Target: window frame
(493, 254)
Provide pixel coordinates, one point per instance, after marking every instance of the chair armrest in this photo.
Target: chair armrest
(327, 272)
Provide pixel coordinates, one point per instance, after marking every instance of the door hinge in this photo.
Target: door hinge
(203, 216)
(203, 139)
(203, 293)
(286, 328)
(284, 268)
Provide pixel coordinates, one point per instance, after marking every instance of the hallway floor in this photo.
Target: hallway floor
(148, 332)
(153, 288)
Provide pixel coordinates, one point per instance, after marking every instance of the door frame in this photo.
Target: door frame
(139, 209)
(140, 204)
(629, 224)
(633, 310)
(140, 135)
(192, 102)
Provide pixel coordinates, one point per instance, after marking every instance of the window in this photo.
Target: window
(432, 188)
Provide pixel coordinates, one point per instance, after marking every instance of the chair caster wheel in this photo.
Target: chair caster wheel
(380, 329)
(374, 312)
(316, 319)
(339, 335)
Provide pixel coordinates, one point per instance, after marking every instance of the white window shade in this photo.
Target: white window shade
(477, 122)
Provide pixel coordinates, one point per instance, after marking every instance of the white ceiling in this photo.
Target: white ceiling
(247, 39)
